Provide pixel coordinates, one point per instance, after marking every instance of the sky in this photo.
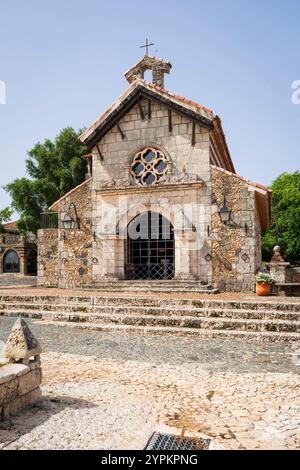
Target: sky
(62, 64)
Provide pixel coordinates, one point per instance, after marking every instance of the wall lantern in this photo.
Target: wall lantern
(225, 213)
(69, 222)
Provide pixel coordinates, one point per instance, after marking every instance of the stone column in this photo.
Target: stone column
(183, 254)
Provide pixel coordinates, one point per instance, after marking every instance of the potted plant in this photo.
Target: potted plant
(264, 283)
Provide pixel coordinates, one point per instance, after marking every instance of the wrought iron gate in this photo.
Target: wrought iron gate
(150, 248)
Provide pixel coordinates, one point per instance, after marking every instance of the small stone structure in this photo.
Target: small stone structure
(154, 154)
(285, 275)
(18, 253)
(20, 376)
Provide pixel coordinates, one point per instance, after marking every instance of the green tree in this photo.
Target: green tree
(53, 167)
(5, 215)
(286, 217)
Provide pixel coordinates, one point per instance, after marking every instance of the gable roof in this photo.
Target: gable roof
(138, 89)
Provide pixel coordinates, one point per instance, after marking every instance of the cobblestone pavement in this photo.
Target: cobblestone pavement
(109, 390)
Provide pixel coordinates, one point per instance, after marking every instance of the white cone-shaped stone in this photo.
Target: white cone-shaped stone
(21, 344)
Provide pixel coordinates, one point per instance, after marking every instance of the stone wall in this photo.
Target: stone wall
(75, 246)
(138, 134)
(235, 247)
(19, 387)
(48, 257)
(65, 256)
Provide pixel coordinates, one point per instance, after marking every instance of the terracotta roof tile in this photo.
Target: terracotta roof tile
(178, 97)
(10, 226)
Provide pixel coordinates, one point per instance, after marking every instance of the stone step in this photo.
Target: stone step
(177, 331)
(171, 321)
(7, 309)
(153, 288)
(15, 280)
(143, 301)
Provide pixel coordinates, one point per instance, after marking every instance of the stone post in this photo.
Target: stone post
(20, 376)
(279, 269)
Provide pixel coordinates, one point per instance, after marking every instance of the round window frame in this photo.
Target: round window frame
(149, 166)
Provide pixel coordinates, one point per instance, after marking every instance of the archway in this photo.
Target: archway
(11, 262)
(150, 248)
(32, 262)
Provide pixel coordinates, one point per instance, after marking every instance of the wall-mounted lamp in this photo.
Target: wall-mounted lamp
(225, 213)
(69, 222)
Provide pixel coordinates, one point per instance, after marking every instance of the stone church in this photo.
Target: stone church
(161, 200)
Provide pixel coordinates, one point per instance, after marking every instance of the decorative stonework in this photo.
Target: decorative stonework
(277, 256)
(149, 166)
(20, 378)
(21, 344)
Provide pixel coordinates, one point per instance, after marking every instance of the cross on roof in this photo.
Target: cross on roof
(147, 45)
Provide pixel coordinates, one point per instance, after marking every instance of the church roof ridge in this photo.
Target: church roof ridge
(181, 98)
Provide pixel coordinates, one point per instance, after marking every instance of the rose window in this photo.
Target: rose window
(149, 166)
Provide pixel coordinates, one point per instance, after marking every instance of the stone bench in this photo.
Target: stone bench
(287, 289)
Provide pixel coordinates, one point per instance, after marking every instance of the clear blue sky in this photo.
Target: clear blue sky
(63, 64)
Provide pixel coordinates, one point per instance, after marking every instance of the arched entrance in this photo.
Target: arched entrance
(32, 262)
(11, 262)
(150, 247)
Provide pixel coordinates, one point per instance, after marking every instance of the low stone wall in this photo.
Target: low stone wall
(19, 387)
(295, 274)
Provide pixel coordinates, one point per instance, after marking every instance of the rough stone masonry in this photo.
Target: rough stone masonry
(20, 376)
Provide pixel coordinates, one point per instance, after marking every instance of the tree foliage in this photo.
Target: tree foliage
(5, 215)
(53, 167)
(286, 217)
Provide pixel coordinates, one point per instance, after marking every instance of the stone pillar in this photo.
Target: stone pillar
(109, 262)
(279, 269)
(183, 254)
(20, 377)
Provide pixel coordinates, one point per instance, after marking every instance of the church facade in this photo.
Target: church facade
(161, 200)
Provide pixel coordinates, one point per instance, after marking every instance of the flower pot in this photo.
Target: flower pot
(263, 288)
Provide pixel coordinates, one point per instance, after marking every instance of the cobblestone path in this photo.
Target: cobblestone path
(105, 390)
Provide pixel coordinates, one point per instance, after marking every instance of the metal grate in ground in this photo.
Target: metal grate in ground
(164, 441)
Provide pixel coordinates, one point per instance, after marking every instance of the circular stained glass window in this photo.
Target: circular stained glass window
(149, 166)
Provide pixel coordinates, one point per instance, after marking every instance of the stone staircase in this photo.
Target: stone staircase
(179, 286)
(271, 320)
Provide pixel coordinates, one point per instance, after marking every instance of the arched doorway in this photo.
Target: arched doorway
(11, 262)
(32, 262)
(150, 247)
